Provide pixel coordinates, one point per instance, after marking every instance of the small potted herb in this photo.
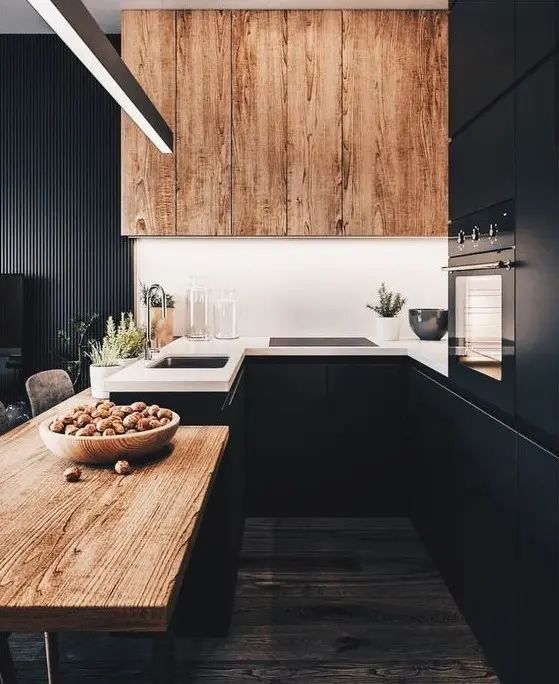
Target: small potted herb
(104, 362)
(387, 309)
(128, 339)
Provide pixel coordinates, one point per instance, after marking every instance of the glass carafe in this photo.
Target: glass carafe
(197, 312)
(225, 315)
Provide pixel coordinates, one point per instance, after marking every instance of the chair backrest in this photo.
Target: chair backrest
(48, 388)
(3, 419)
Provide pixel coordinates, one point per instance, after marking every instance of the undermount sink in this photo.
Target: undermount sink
(190, 362)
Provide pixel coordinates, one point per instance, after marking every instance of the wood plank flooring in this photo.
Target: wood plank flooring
(319, 600)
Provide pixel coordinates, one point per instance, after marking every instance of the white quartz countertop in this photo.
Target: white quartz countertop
(140, 377)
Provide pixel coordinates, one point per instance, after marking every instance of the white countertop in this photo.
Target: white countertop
(139, 377)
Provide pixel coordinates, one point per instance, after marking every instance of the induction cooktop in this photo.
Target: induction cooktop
(321, 342)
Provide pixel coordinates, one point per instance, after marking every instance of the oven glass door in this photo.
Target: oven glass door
(479, 323)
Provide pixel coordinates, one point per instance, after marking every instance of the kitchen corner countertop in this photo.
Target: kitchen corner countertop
(139, 377)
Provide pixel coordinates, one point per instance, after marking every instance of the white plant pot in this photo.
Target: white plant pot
(97, 375)
(388, 329)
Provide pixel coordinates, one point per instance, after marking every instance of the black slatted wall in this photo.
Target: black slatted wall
(59, 190)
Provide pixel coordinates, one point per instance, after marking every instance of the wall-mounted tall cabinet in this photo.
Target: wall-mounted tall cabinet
(289, 123)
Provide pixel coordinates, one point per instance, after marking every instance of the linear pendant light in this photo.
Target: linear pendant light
(73, 23)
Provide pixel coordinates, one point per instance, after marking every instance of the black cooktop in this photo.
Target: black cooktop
(321, 342)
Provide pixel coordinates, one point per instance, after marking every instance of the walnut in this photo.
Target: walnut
(103, 424)
(67, 419)
(72, 474)
(90, 429)
(89, 410)
(82, 432)
(152, 410)
(138, 406)
(143, 424)
(80, 408)
(131, 421)
(108, 432)
(123, 468)
(100, 413)
(118, 414)
(127, 410)
(154, 423)
(118, 428)
(131, 431)
(70, 430)
(165, 413)
(164, 421)
(57, 426)
(82, 420)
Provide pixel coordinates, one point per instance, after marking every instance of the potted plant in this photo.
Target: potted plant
(128, 338)
(162, 328)
(389, 306)
(104, 362)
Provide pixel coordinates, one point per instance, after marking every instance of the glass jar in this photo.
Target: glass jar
(197, 312)
(225, 315)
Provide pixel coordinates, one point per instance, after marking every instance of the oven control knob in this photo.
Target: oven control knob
(475, 234)
(461, 237)
(493, 230)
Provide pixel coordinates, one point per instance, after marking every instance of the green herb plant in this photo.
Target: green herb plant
(128, 339)
(389, 303)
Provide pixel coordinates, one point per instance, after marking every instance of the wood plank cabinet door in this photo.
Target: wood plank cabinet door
(314, 113)
(203, 132)
(148, 176)
(259, 92)
(394, 123)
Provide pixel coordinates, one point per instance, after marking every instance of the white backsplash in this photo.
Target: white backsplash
(299, 287)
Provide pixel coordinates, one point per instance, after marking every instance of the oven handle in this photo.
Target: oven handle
(489, 266)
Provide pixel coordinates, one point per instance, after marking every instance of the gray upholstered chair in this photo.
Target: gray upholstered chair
(3, 419)
(48, 388)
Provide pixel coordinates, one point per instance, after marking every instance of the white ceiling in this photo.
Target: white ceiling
(17, 16)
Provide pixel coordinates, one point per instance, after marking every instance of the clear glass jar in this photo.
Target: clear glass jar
(225, 315)
(197, 312)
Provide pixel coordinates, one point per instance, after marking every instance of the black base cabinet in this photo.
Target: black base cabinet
(464, 474)
(326, 437)
(538, 549)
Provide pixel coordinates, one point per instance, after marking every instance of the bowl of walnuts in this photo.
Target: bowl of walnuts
(103, 432)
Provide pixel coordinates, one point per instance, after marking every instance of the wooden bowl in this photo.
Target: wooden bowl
(102, 450)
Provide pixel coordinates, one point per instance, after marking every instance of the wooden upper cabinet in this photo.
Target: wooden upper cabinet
(314, 117)
(395, 123)
(203, 129)
(148, 176)
(259, 92)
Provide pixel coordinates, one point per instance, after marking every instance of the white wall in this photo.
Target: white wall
(299, 286)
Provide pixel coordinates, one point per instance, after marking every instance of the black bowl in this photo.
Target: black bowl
(429, 324)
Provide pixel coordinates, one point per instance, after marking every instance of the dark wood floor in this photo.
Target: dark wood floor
(319, 601)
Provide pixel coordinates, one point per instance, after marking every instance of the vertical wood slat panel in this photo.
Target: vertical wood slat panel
(314, 97)
(395, 122)
(203, 130)
(259, 94)
(59, 191)
(148, 176)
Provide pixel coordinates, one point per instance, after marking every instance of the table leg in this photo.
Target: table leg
(51, 652)
(7, 669)
(163, 659)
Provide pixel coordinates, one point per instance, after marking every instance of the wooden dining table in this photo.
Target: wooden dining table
(107, 553)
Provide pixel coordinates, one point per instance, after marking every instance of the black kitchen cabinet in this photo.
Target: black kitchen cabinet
(366, 414)
(288, 449)
(464, 475)
(481, 44)
(538, 535)
(481, 161)
(205, 604)
(535, 32)
(325, 437)
(537, 255)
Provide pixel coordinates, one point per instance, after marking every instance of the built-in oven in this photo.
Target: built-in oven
(481, 342)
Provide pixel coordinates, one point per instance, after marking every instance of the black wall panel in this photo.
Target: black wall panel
(59, 190)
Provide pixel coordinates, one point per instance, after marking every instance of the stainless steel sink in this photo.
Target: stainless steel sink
(190, 362)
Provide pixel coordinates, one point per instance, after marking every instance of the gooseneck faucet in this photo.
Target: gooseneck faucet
(149, 348)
